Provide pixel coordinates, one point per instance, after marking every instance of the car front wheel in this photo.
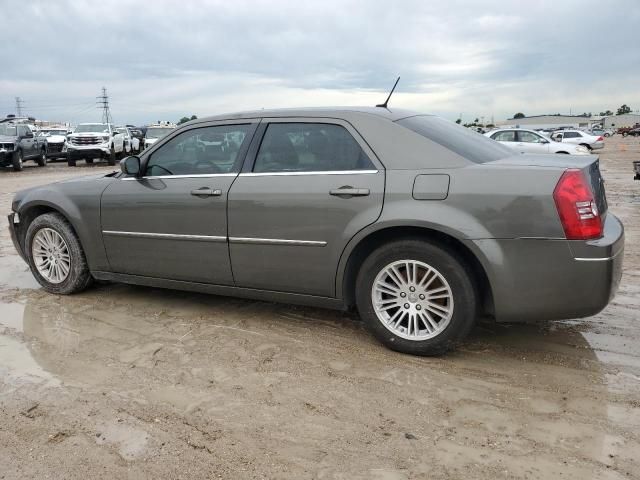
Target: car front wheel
(416, 297)
(55, 255)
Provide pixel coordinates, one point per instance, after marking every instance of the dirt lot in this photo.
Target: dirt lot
(132, 382)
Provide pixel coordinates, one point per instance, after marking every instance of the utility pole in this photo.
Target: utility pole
(103, 103)
(19, 103)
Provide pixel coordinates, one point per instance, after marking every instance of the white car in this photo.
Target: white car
(131, 143)
(156, 132)
(94, 140)
(578, 137)
(530, 141)
(55, 139)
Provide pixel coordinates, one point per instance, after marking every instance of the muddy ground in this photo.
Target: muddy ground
(132, 382)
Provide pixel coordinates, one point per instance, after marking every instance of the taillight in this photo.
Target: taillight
(576, 206)
(600, 139)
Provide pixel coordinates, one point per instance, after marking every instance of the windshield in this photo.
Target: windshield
(466, 143)
(92, 127)
(10, 130)
(158, 132)
(122, 130)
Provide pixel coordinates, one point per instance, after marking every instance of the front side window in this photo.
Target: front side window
(506, 136)
(529, 137)
(309, 147)
(200, 151)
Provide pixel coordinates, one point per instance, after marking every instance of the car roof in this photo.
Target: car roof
(391, 114)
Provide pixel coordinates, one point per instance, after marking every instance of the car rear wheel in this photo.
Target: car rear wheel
(17, 161)
(55, 255)
(42, 159)
(416, 297)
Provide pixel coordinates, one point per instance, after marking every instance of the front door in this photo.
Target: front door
(172, 222)
(314, 184)
(530, 142)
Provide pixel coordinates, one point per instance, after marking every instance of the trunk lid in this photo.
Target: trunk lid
(589, 164)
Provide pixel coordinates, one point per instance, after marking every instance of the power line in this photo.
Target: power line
(19, 103)
(103, 103)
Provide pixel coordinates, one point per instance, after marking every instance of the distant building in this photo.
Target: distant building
(550, 121)
(617, 121)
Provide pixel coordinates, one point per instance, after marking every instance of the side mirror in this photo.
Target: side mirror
(130, 166)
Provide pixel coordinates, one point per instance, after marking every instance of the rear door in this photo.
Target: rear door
(309, 186)
(172, 222)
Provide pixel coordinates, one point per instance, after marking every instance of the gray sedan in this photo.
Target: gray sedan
(420, 224)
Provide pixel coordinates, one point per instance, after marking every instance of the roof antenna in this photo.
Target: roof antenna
(384, 105)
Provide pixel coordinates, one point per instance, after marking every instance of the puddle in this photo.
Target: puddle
(17, 365)
(11, 316)
(15, 273)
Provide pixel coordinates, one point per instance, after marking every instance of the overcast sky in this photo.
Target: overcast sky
(165, 59)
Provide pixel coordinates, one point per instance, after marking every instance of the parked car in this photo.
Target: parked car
(624, 131)
(55, 139)
(529, 141)
(156, 132)
(580, 138)
(599, 132)
(419, 223)
(137, 133)
(634, 132)
(94, 140)
(131, 143)
(18, 143)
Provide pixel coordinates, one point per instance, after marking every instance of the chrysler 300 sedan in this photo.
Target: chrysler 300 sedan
(420, 224)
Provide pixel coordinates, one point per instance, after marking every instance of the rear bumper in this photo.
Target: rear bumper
(14, 236)
(534, 279)
(597, 145)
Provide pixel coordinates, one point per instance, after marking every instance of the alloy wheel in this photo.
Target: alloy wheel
(51, 255)
(413, 300)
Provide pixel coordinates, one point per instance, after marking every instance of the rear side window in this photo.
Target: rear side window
(309, 147)
(466, 143)
(572, 135)
(508, 136)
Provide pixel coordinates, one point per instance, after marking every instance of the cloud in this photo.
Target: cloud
(164, 59)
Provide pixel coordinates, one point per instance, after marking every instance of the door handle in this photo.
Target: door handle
(348, 191)
(206, 192)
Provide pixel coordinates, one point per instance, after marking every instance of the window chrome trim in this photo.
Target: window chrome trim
(328, 172)
(197, 175)
(277, 241)
(166, 236)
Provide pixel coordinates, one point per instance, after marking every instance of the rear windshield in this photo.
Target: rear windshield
(463, 141)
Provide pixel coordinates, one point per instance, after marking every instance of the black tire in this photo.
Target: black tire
(111, 160)
(17, 161)
(89, 160)
(607, 134)
(42, 159)
(71, 161)
(587, 146)
(563, 153)
(448, 264)
(79, 277)
(624, 134)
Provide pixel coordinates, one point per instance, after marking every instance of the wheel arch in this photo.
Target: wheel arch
(349, 267)
(30, 211)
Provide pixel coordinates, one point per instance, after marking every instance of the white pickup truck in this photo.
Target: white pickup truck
(94, 140)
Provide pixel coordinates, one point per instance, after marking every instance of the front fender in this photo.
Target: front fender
(79, 203)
